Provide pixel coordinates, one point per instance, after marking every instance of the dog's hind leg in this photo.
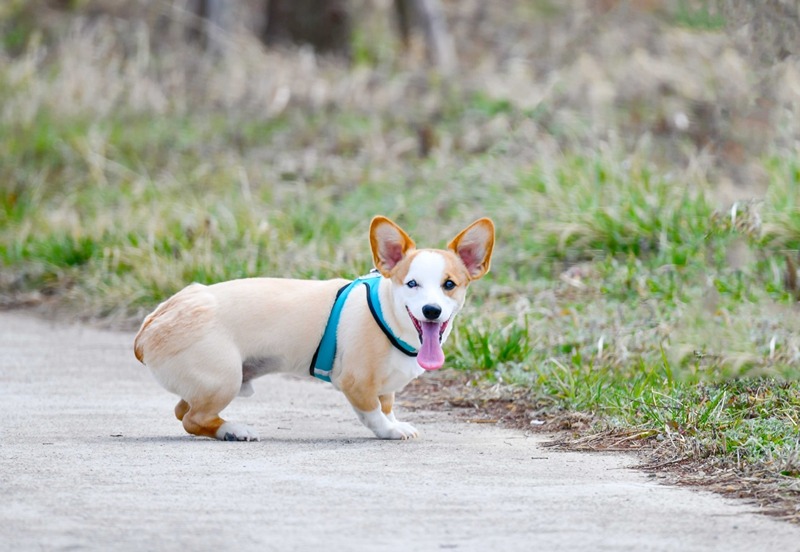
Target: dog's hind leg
(181, 409)
(203, 419)
(211, 377)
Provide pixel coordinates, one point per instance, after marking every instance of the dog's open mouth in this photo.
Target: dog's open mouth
(430, 356)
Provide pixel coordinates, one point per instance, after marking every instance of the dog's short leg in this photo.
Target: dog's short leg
(383, 427)
(387, 403)
(387, 407)
(202, 418)
(371, 412)
(208, 424)
(211, 377)
(239, 431)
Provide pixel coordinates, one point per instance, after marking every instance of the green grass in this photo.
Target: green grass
(702, 15)
(654, 331)
(621, 285)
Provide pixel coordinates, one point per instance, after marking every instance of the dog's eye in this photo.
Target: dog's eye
(449, 285)
(412, 283)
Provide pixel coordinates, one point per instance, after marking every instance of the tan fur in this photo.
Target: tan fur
(181, 409)
(399, 272)
(360, 381)
(189, 311)
(206, 343)
(387, 402)
(138, 346)
(381, 232)
(455, 269)
(361, 391)
(202, 421)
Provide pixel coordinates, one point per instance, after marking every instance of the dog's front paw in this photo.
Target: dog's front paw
(231, 431)
(386, 427)
(400, 430)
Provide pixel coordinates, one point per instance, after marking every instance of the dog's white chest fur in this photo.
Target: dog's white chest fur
(401, 369)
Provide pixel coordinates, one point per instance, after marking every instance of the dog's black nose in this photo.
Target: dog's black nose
(431, 312)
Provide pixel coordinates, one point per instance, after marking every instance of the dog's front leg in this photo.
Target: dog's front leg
(373, 411)
(383, 427)
(387, 402)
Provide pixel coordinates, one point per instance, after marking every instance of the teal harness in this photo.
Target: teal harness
(322, 362)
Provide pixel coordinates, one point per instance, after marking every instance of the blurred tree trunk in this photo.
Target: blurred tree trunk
(211, 17)
(324, 24)
(428, 15)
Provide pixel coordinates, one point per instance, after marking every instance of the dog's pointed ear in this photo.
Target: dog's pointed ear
(389, 244)
(474, 246)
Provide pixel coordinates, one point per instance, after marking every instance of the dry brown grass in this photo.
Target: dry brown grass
(674, 458)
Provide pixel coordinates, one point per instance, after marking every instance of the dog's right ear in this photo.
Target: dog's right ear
(389, 244)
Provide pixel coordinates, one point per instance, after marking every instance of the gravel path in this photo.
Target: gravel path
(91, 458)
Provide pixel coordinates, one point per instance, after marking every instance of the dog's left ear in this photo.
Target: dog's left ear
(474, 246)
(389, 244)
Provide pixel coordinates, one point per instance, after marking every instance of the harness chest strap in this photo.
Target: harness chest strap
(322, 362)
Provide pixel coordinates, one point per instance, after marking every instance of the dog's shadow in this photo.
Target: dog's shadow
(195, 441)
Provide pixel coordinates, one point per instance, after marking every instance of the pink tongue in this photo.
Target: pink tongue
(430, 356)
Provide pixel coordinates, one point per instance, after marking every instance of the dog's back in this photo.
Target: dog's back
(268, 315)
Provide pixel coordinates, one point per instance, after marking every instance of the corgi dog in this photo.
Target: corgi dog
(369, 338)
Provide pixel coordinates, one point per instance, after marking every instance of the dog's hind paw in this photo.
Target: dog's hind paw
(232, 431)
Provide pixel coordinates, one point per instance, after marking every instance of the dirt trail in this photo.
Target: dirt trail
(92, 459)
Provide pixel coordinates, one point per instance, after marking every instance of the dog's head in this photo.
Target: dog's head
(430, 285)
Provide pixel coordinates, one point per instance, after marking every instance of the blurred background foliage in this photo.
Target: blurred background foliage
(629, 151)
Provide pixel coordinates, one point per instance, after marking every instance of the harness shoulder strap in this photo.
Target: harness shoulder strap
(322, 361)
(375, 308)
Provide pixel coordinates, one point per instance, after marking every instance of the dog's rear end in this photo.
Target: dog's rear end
(188, 354)
(206, 343)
